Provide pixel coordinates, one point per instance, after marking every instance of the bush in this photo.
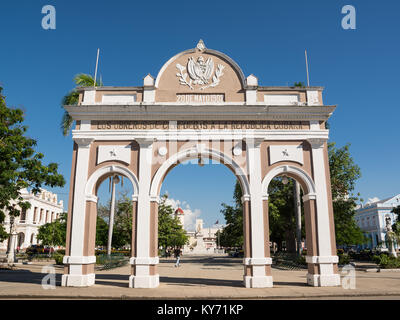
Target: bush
(126, 253)
(58, 257)
(344, 258)
(387, 262)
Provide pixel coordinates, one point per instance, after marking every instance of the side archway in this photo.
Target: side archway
(297, 173)
(90, 188)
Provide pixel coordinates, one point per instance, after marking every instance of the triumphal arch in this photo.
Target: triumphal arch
(202, 108)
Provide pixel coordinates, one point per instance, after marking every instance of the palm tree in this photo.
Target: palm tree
(72, 98)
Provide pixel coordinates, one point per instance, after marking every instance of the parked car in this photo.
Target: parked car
(35, 249)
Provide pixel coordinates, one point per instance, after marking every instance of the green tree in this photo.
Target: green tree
(122, 229)
(232, 233)
(344, 174)
(281, 211)
(170, 230)
(54, 233)
(72, 98)
(20, 165)
(101, 231)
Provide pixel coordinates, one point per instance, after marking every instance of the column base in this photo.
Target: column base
(78, 280)
(323, 280)
(258, 282)
(144, 281)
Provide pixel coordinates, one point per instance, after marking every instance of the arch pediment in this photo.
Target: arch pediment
(200, 73)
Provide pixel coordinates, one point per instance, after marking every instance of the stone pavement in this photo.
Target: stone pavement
(197, 278)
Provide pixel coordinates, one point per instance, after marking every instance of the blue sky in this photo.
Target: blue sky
(358, 68)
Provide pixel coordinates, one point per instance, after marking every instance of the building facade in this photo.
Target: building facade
(371, 218)
(200, 108)
(44, 208)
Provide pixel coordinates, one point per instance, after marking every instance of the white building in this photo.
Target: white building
(371, 218)
(44, 208)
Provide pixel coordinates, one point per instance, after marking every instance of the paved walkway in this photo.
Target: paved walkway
(197, 278)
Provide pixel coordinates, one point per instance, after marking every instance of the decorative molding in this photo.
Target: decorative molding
(286, 153)
(245, 197)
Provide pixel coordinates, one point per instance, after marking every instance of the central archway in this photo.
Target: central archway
(194, 153)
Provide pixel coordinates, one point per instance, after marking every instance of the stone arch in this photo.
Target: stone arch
(102, 172)
(297, 173)
(193, 153)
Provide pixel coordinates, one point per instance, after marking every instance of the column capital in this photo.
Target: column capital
(144, 142)
(265, 197)
(135, 197)
(317, 143)
(155, 199)
(253, 142)
(91, 197)
(84, 142)
(310, 196)
(245, 197)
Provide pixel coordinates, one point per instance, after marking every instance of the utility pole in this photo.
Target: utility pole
(297, 208)
(114, 181)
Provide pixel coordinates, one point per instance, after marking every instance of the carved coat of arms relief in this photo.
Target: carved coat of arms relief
(199, 72)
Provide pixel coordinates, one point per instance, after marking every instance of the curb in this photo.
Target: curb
(259, 297)
(381, 270)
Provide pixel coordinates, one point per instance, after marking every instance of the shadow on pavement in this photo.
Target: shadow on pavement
(26, 276)
(201, 282)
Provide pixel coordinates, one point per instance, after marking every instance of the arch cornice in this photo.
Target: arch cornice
(90, 184)
(192, 153)
(287, 169)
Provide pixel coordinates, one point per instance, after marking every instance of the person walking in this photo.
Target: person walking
(178, 257)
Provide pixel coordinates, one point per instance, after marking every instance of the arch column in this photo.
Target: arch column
(143, 263)
(256, 262)
(323, 262)
(79, 266)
